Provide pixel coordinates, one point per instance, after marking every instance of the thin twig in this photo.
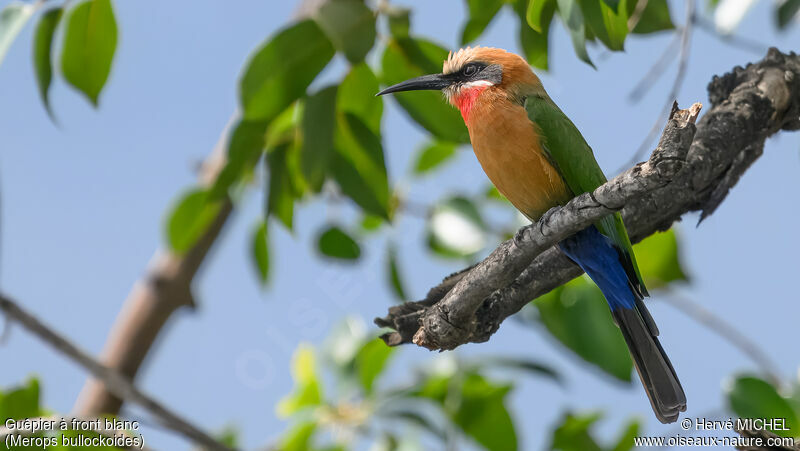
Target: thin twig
(111, 379)
(733, 40)
(143, 421)
(683, 62)
(725, 330)
(636, 16)
(655, 72)
(5, 333)
(415, 209)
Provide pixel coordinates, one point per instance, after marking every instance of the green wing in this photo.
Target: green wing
(574, 159)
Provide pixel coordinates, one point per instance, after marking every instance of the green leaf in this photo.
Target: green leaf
(12, 18)
(371, 223)
(477, 406)
(655, 17)
(261, 252)
(354, 186)
(529, 365)
(42, 48)
(371, 361)
(317, 125)
(336, 243)
(456, 228)
(282, 68)
(342, 344)
(358, 165)
(406, 58)
(572, 434)
(606, 23)
(298, 438)
(350, 26)
(659, 259)
(481, 13)
(21, 402)
(536, 14)
(492, 193)
(794, 398)
(535, 43)
(281, 191)
(190, 219)
(357, 96)
(307, 387)
(784, 14)
(245, 147)
(394, 274)
(417, 419)
(625, 442)
(614, 4)
(399, 21)
(483, 414)
(336, 447)
(283, 128)
(578, 316)
(89, 45)
(433, 155)
(229, 436)
(571, 14)
(752, 397)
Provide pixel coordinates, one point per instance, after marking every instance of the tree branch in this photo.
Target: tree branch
(165, 287)
(680, 74)
(113, 381)
(748, 105)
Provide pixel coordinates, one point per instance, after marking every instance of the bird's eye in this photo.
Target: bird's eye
(470, 70)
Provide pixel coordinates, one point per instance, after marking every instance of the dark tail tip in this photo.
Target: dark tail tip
(655, 370)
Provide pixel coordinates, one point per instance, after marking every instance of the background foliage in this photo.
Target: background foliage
(297, 139)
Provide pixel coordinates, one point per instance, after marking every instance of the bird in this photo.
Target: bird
(537, 158)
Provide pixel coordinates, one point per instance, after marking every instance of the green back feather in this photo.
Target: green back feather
(573, 158)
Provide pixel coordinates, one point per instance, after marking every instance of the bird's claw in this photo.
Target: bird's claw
(544, 221)
(521, 236)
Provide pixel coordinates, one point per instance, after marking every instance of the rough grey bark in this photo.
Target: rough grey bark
(688, 171)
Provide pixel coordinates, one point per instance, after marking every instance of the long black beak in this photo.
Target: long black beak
(432, 82)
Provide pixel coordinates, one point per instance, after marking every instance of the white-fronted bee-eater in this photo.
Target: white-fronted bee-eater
(537, 159)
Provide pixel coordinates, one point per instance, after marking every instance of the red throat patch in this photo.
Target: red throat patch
(466, 100)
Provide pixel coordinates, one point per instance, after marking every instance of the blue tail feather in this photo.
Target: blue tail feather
(600, 259)
(596, 254)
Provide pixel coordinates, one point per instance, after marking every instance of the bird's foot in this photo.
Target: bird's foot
(544, 221)
(522, 235)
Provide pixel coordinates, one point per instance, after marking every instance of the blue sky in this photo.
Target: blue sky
(83, 206)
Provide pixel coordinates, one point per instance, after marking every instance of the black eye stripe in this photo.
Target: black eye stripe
(472, 68)
(476, 71)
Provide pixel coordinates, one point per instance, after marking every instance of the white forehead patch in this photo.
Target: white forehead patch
(476, 83)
